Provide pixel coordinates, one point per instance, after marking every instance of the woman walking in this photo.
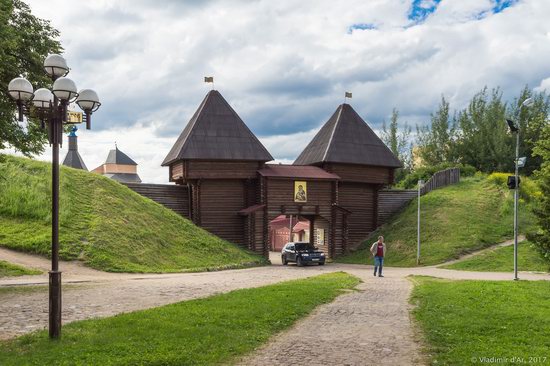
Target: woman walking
(378, 250)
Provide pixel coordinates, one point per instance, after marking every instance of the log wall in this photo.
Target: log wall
(174, 197)
(219, 204)
(359, 198)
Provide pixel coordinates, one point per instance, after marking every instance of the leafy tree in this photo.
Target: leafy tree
(24, 43)
(483, 140)
(542, 150)
(436, 141)
(397, 139)
(532, 121)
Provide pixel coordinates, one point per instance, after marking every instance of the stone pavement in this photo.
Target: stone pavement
(360, 328)
(370, 326)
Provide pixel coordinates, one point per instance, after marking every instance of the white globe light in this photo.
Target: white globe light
(55, 65)
(88, 100)
(20, 89)
(42, 98)
(64, 88)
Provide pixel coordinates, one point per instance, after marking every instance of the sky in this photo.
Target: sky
(284, 65)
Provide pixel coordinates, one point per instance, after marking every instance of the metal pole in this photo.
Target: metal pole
(516, 202)
(418, 227)
(290, 228)
(55, 274)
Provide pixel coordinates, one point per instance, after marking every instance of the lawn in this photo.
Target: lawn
(104, 224)
(9, 269)
(468, 322)
(502, 260)
(456, 220)
(207, 331)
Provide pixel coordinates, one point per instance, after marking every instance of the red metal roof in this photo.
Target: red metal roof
(296, 171)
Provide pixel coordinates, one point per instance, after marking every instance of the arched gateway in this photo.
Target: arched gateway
(234, 194)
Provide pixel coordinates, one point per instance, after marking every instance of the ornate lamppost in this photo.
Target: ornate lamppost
(50, 107)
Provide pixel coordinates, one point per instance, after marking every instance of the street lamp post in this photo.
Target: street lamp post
(50, 107)
(514, 128)
(420, 185)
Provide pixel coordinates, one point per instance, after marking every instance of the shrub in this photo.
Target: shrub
(411, 180)
(528, 188)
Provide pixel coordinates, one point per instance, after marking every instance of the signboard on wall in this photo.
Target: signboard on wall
(319, 237)
(74, 117)
(300, 191)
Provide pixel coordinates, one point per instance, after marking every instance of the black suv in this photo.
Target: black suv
(302, 253)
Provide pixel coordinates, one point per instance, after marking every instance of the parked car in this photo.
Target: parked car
(302, 253)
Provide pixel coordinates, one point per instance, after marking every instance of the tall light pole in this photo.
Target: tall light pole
(514, 128)
(420, 184)
(50, 107)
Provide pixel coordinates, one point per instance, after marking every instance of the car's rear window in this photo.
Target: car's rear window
(304, 246)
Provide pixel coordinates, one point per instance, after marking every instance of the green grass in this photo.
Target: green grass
(104, 224)
(465, 320)
(502, 260)
(207, 331)
(455, 220)
(9, 269)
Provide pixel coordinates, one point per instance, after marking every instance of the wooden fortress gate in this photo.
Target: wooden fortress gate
(234, 194)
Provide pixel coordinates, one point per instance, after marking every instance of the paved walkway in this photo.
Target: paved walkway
(366, 327)
(359, 328)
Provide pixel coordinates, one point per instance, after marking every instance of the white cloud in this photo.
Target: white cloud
(284, 65)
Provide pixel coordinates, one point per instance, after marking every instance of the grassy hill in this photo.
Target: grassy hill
(104, 224)
(455, 220)
(502, 260)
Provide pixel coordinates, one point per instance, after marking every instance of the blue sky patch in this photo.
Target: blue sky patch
(500, 5)
(360, 26)
(421, 9)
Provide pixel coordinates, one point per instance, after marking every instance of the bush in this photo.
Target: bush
(528, 188)
(425, 173)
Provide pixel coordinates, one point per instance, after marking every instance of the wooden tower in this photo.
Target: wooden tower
(348, 147)
(218, 157)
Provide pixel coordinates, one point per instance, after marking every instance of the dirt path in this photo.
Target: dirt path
(44, 264)
(488, 249)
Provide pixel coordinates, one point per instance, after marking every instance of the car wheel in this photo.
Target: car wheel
(321, 263)
(283, 259)
(299, 262)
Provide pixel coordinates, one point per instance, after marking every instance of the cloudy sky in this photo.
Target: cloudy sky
(284, 65)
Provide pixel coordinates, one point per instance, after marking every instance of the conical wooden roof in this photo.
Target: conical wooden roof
(346, 138)
(216, 132)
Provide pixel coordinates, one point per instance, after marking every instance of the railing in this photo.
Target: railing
(391, 201)
(440, 179)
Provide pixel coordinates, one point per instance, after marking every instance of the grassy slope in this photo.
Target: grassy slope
(10, 269)
(104, 223)
(502, 260)
(465, 320)
(456, 220)
(199, 332)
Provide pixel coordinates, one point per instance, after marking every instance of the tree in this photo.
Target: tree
(436, 141)
(542, 150)
(25, 41)
(483, 140)
(532, 121)
(397, 139)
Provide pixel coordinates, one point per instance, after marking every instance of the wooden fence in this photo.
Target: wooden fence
(391, 201)
(440, 179)
(174, 197)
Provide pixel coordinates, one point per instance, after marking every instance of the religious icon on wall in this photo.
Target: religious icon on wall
(300, 191)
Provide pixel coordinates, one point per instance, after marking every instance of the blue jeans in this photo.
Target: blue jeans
(378, 263)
